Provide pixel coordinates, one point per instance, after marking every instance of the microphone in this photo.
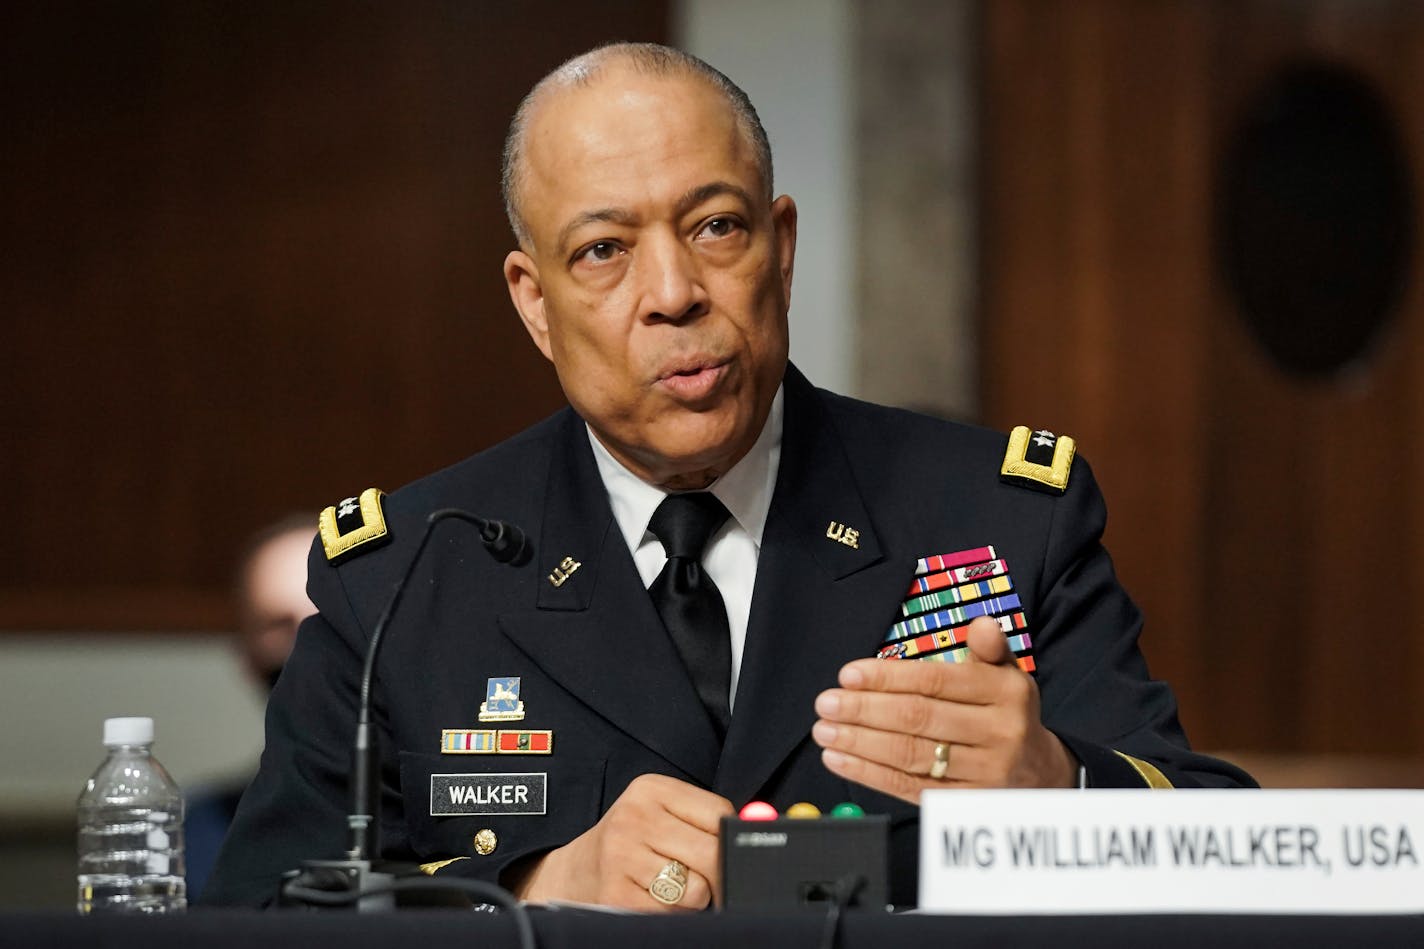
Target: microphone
(507, 544)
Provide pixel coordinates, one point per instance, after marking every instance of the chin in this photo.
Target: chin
(688, 454)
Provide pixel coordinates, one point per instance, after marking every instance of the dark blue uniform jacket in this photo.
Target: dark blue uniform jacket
(598, 670)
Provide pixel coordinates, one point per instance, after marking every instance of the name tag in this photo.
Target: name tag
(1197, 851)
(454, 795)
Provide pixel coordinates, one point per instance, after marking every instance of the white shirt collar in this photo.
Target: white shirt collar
(745, 490)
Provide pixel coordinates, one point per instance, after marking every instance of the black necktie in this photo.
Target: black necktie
(688, 601)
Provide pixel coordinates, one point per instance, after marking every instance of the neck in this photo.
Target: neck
(667, 477)
(694, 481)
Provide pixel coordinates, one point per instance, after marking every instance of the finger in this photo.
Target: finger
(631, 893)
(913, 754)
(968, 768)
(908, 714)
(909, 753)
(959, 682)
(697, 807)
(689, 803)
(692, 847)
(892, 781)
(987, 642)
(697, 891)
(682, 823)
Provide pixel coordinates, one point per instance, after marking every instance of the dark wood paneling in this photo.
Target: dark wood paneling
(1095, 233)
(1270, 527)
(1315, 481)
(251, 264)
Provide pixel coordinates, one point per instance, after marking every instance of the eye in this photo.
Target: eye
(719, 227)
(598, 251)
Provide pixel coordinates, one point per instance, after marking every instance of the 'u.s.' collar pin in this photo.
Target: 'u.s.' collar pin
(502, 702)
(841, 534)
(563, 571)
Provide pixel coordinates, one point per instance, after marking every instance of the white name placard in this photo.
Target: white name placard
(1190, 851)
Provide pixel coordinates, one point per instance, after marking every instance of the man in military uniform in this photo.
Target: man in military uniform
(736, 578)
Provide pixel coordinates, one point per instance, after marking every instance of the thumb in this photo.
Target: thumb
(987, 642)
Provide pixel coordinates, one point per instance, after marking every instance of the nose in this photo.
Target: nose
(672, 285)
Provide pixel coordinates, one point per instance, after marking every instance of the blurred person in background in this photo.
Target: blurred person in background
(270, 596)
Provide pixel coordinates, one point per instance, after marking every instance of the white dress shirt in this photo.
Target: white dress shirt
(730, 557)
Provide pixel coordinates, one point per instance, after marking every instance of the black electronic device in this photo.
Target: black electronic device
(798, 862)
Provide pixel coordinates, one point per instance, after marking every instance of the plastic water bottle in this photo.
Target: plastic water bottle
(131, 829)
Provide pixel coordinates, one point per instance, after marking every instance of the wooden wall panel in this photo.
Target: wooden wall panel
(251, 264)
(1314, 477)
(1270, 527)
(1094, 249)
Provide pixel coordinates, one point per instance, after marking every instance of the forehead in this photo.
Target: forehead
(628, 139)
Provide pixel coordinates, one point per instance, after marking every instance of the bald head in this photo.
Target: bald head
(583, 71)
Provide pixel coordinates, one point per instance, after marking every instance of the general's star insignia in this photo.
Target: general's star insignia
(1040, 460)
(356, 524)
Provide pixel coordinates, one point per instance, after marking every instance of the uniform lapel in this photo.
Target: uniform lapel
(818, 602)
(593, 627)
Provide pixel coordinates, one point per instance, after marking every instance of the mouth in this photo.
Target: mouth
(692, 379)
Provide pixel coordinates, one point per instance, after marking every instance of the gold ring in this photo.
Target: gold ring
(941, 762)
(670, 884)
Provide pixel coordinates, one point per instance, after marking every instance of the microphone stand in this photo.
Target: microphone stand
(358, 872)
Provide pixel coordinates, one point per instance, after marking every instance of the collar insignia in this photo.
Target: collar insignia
(562, 572)
(841, 534)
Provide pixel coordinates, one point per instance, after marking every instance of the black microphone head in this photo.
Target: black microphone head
(506, 543)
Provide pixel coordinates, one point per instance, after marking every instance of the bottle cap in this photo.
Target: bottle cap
(128, 731)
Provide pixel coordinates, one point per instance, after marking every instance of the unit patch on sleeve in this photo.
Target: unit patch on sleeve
(1039, 460)
(355, 525)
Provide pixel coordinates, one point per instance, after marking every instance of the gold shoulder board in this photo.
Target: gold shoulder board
(354, 525)
(1039, 460)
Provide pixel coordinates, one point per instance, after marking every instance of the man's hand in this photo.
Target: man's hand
(657, 819)
(881, 728)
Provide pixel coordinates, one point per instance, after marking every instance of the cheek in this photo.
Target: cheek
(761, 303)
(590, 326)
(584, 345)
(593, 363)
(758, 281)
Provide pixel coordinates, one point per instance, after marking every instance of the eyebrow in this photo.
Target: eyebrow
(601, 215)
(713, 189)
(689, 200)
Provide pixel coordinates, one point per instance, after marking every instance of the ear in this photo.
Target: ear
(521, 275)
(783, 222)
